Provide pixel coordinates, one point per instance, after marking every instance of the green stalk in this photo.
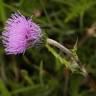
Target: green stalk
(69, 54)
(2, 12)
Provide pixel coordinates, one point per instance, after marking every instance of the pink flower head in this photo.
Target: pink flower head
(20, 33)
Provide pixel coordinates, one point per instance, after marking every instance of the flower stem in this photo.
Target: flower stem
(68, 53)
(58, 45)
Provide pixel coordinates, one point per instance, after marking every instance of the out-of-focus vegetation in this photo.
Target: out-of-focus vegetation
(39, 72)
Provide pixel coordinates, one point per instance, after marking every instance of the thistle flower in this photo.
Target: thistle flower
(20, 33)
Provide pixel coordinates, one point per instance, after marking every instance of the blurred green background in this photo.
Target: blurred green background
(38, 72)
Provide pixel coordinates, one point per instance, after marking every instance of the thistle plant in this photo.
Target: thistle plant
(21, 33)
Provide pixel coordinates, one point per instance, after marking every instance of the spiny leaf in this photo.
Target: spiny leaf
(78, 8)
(37, 89)
(57, 56)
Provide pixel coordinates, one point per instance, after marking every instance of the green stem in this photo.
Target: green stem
(58, 45)
(69, 54)
(81, 21)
